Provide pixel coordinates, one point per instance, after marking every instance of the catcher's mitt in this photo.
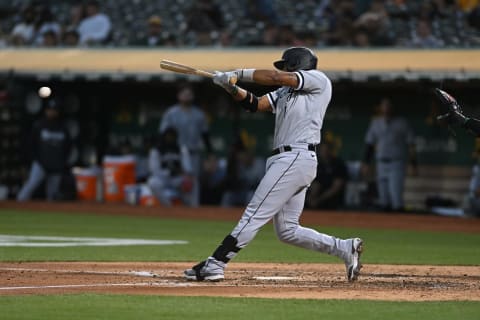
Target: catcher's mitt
(453, 112)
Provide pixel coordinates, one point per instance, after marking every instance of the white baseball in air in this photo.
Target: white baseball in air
(44, 92)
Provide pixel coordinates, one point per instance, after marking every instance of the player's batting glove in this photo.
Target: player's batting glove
(222, 79)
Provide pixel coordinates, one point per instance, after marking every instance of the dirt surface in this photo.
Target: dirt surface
(267, 280)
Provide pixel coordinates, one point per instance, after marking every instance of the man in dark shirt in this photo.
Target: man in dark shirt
(50, 148)
(327, 191)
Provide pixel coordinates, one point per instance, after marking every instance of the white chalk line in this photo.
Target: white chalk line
(113, 273)
(66, 286)
(53, 241)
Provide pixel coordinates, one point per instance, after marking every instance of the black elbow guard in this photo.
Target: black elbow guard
(250, 103)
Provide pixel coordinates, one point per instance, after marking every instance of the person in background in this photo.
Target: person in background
(49, 39)
(155, 36)
(51, 144)
(423, 37)
(70, 38)
(192, 128)
(47, 25)
(391, 139)
(171, 170)
(327, 190)
(95, 27)
(23, 33)
(191, 125)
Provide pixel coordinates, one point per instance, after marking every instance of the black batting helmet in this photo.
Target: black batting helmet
(297, 58)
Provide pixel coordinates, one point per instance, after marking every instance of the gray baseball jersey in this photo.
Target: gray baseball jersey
(299, 112)
(190, 124)
(391, 138)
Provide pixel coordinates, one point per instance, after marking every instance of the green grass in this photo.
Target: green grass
(382, 246)
(198, 308)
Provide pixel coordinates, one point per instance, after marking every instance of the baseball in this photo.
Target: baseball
(44, 92)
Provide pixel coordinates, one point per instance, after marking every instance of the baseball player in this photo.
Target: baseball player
(51, 146)
(299, 106)
(192, 128)
(390, 138)
(454, 114)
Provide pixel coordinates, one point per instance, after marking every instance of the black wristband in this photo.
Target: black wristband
(250, 103)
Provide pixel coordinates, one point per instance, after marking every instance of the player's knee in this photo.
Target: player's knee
(286, 234)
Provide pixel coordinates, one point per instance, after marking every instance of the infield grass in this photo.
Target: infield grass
(382, 246)
(118, 307)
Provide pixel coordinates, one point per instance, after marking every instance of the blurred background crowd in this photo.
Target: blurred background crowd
(188, 23)
(191, 145)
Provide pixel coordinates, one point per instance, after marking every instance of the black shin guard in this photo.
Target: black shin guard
(227, 250)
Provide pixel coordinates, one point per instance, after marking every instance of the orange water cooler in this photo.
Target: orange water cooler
(86, 180)
(118, 172)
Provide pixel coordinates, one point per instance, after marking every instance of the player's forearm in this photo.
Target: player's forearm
(236, 92)
(268, 77)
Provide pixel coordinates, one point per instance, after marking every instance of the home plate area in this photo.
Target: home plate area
(268, 280)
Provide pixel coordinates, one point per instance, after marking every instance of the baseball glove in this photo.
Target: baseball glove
(453, 112)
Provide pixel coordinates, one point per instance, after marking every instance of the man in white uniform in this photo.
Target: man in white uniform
(299, 107)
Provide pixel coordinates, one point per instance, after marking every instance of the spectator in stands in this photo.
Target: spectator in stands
(49, 39)
(23, 33)
(340, 26)
(95, 27)
(155, 36)
(205, 22)
(474, 17)
(390, 138)
(376, 24)
(171, 172)
(47, 23)
(205, 15)
(244, 172)
(50, 145)
(191, 124)
(423, 37)
(76, 15)
(327, 190)
(71, 38)
(361, 39)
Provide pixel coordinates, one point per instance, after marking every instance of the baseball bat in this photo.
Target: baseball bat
(181, 68)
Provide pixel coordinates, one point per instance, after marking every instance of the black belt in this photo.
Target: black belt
(311, 147)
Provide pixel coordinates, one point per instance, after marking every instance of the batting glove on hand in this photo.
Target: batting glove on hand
(225, 79)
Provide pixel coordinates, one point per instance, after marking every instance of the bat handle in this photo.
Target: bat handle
(204, 73)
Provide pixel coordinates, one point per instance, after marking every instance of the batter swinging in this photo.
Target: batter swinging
(299, 107)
